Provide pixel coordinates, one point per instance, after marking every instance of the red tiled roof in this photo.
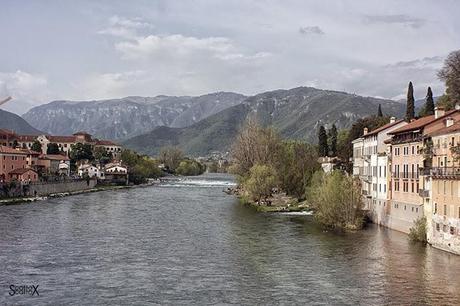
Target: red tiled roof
(30, 152)
(8, 150)
(7, 132)
(54, 157)
(105, 143)
(386, 126)
(68, 139)
(421, 123)
(21, 171)
(447, 130)
(82, 133)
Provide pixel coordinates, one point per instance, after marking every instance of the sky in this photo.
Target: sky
(87, 50)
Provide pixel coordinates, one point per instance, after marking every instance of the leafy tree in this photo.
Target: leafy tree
(410, 111)
(36, 146)
(379, 112)
(445, 102)
(322, 142)
(261, 181)
(80, 151)
(337, 201)
(171, 157)
(190, 167)
(102, 156)
(15, 144)
(333, 140)
(52, 148)
(450, 74)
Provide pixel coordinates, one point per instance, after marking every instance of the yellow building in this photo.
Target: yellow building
(443, 210)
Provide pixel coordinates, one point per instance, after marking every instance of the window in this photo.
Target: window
(452, 230)
(445, 210)
(436, 208)
(413, 150)
(459, 212)
(438, 228)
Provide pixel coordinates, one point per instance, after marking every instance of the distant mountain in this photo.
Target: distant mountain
(296, 113)
(127, 117)
(13, 122)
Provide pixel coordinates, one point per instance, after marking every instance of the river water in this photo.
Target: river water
(189, 243)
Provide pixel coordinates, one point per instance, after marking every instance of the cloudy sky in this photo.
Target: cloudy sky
(83, 50)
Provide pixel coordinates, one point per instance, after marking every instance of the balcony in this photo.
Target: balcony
(405, 175)
(423, 193)
(445, 172)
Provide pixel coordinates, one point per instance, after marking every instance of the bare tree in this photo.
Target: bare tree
(450, 74)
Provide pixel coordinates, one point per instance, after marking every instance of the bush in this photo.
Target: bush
(418, 231)
(261, 181)
(190, 167)
(337, 201)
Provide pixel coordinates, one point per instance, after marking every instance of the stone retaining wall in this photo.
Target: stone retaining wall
(43, 189)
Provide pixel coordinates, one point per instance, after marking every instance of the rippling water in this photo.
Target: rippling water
(189, 243)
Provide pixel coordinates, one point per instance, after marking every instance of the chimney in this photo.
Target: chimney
(366, 130)
(457, 105)
(449, 121)
(439, 112)
(392, 119)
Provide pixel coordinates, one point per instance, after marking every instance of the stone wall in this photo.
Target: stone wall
(43, 189)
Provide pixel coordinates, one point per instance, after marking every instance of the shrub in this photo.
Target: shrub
(261, 181)
(418, 231)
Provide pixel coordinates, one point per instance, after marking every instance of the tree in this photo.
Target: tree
(379, 112)
(337, 201)
(410, 111)
(333, 140)
(262, 179)
(429, 104)
(445, 102)
(322, 142)
(80, 151)
(52, 148)
(450, 74)
(190, 167)
(254, 145)
(171, 157)
(36, 146)
(417, 233)
(102, 156)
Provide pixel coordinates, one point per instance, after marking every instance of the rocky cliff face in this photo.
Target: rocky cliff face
(296, 114)
(127, 117)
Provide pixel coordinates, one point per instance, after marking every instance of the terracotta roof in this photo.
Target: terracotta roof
(105, 143)
(30, 152)
(8, 150)
(421, 123)
(386, 126)
(447, 130)
(20, 171)
(82, 133)
(54, 157)
(7, 132)
(68, 139)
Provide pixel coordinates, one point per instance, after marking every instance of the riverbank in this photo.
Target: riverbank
(22, 200)
(278, 202)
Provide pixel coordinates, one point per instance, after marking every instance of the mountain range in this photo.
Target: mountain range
(13, 122)
(119, 119)
(296, 114)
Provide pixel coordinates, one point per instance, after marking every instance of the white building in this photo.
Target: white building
(115, 168)
(90, 170)
(371, 163)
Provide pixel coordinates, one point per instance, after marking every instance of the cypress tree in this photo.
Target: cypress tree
(429, 105)
(333, 140)
(379, 112)
(410, 112)
(322, 142)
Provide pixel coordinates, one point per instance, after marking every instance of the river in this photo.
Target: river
(189, 243)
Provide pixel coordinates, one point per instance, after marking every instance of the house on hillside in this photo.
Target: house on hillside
(23, 175)
(91, 170)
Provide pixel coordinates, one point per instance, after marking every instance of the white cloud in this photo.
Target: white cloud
(311, 30)
(404, 20)
(26, 89)
(125, 28)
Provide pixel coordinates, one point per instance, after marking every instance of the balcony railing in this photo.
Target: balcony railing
(423, 193)
(405, 175)
(445, 172)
